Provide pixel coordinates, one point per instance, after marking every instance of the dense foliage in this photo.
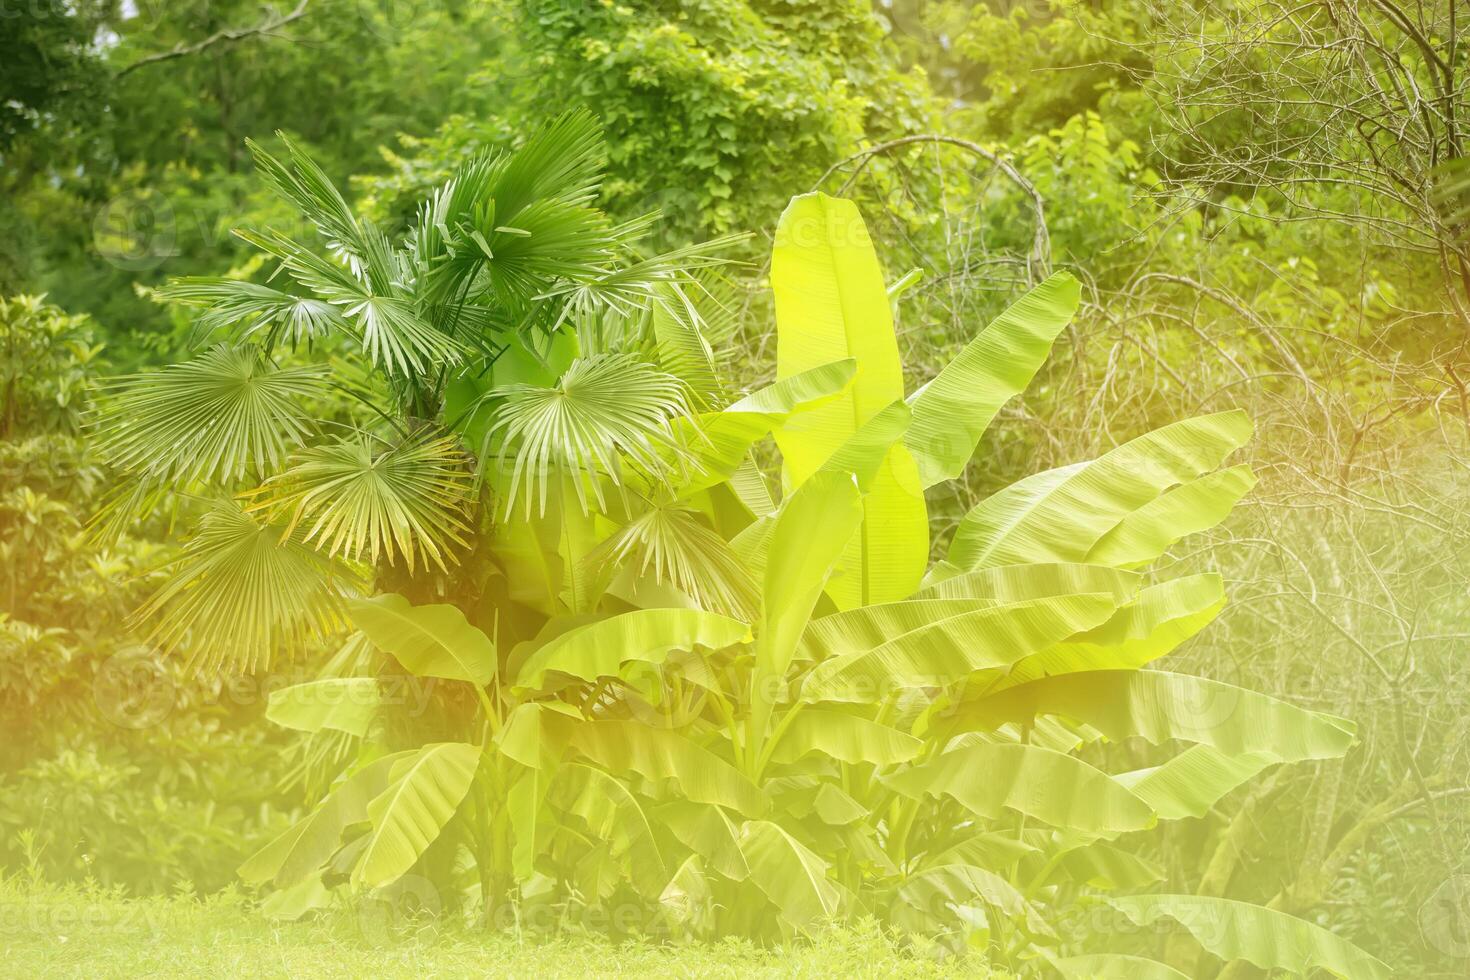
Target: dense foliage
(1261, 205)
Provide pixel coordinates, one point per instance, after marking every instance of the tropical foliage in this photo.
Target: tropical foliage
(676, 669)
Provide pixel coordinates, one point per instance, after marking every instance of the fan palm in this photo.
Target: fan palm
(509, 254)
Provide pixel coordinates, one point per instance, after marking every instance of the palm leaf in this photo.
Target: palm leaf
(242, 590)
(224, 415)
(248, 309)
(603, 409)
(359, 498)
(673, 546)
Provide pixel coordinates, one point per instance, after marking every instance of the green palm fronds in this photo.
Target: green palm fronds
(676, 548)
(226, 414)
(243, 590)
(251, 310)
(605, 409)
(361, 499)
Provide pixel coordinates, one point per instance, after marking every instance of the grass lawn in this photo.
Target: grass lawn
(68, 932)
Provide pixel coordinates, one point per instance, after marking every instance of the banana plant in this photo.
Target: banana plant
(744, 701)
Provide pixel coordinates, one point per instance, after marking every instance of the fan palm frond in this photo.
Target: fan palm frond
(250, 309)
(223, 415)
(605, 408)
(672, 544)
(359, 499)
(517, 221)
(393, 332)
(304, 185)
(242, 590)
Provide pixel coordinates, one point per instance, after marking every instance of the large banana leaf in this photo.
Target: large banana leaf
(707, 831)
(1154, 622)
(429, 641)
(1187, 509)
(790, 874)
(657, 754)
(647, 635)
(1192, 782)
(615, 815)
(866, 627)
(307, 844)
(848, 738)
(941, 888)
(1014, 583)
(1115, 966)
(1059, 515)
(831, 304)
(1103, 865)
(422, 794)
(953, 411)
(806, 539)
(342, 704)
(1050, 786)
(717, 443)
(1159, 706)
(797, 392)
(1270, 939)
(951, 649)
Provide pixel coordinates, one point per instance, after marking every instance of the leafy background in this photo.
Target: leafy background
(1239, 246)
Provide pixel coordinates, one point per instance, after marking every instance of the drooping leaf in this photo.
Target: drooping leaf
(243, 589)
(659, 754)
(647, 635)
(342, 704)
(1159, 706)
(1192, 782)
(949, 650)
(1151, 624)
(1050, 786)
(1059, 515)
(1015, 583)
(949, 886)
(866, 627)
(1187, 509)
(307, 845)
(1270, 939)
(790, 874)
(707, 831)
(953, 410)
(429, 641)
(846, 737)
(423, 792)
(1115, 966)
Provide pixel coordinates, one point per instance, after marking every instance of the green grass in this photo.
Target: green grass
(48, 931)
